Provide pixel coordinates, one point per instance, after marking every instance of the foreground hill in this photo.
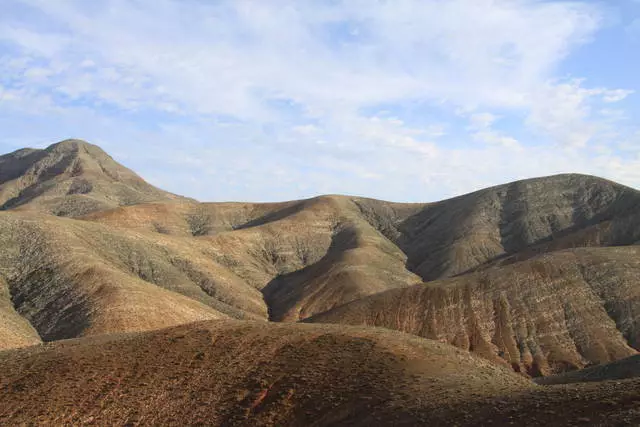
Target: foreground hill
(553, 312)
(70, 178)
(247, 373)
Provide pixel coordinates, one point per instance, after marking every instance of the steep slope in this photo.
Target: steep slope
(70, 178)
(453, 236)
(245, 373)
(555, 312)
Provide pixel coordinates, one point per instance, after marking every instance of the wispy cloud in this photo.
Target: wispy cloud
(252, 99)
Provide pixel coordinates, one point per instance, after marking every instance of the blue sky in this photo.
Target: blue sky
(404, 100)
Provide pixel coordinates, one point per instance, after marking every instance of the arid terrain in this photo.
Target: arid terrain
(123, 304)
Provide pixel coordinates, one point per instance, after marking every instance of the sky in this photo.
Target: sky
(402, 100)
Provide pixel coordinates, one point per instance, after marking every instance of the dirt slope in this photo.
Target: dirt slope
(257, 374)
(71, 178)
(551, 313)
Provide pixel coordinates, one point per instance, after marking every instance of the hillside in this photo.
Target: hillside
(550, 313)
(70, 178)
(72, 278)
(246, 373)
(306, 256)
(454, 236)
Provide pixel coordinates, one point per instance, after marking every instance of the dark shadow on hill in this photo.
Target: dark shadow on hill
(284, 291)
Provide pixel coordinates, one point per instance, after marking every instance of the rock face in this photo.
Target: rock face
(555, 312)
(70, 178)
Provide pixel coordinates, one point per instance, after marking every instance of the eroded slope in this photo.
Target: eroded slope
(555, 312)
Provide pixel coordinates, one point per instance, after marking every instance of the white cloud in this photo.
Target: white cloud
(228, 58)
(482, 120)
(615, 95)
(564, 111)
(289, 86)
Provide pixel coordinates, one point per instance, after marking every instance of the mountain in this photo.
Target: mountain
(94, 275)
(124, 304)
(260, 374)
(537, 274)
(70, 178)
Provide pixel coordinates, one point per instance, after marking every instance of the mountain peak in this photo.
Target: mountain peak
(71, 177)
(73, 146)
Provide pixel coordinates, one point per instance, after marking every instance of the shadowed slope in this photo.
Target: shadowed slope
(555, 312)
(618, 370)
(15, 330)
(70, 178)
